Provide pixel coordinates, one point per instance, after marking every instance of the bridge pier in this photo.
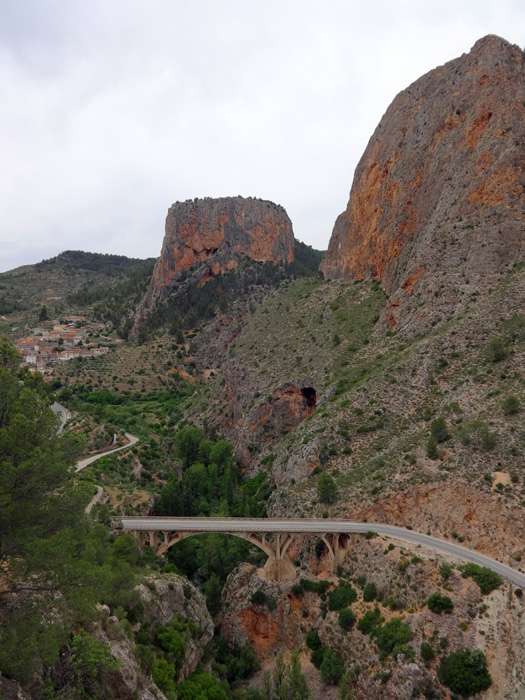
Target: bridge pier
(279, 566)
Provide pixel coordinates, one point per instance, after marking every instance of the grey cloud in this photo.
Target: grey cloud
(112, 111)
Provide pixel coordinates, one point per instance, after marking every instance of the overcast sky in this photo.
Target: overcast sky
(111, 110)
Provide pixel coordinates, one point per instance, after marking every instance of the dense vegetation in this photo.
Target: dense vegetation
(211, 484)
(193, 304)
(57, 564)
(116, 303)
(94, 262)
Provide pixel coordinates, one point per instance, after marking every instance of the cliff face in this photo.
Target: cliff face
(215, 235)
(403, 573)
(437, 205)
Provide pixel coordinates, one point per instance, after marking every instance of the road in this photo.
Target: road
(62, 413)
(96, 498)
(89, 460)
(310, 526)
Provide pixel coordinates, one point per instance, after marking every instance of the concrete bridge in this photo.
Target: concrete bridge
(161, 533)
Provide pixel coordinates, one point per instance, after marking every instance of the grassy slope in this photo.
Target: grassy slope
(378, 393)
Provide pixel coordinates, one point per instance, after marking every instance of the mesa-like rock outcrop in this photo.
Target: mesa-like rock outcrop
(213, 236)
(437, 205)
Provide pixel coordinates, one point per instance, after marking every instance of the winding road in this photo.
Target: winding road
(295, 526)
(89, 460)
(311, 526)
(62, 413)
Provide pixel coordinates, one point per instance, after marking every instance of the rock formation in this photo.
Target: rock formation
(215, 235)
(437, 206)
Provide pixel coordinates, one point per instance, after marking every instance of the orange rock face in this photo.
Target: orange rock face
(438, 198)
(215, 235)
(488, 525)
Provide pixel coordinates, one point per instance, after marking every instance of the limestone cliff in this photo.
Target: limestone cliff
(437, 206)
(404, 576)
(214, 235)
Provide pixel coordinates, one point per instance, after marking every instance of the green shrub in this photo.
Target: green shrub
(370, 534)
(477, 435)
(297, 589)
(440, 603)
(403, 565)
(163, 674)
(445, 571)
(370, 620)
(511, 405)
(432, 450)
(496, 350)
(341, 597)
(439, 430)
(369, 592)
(312, 640)
(393, 634)
(332, 667)
(316, 657)
(465, 672)
(427, 652)
(326, 489)
(486, 579)
(259, 597)
(346, 618)
(319, 587)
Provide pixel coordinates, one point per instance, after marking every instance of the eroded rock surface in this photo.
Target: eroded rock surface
(163, 598)
(214, 236)
(437, 206)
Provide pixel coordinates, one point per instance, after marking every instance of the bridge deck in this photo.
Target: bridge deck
(319, 526)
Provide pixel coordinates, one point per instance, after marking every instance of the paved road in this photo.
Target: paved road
(89, 460)
(305, 526)
(62, 413)
(96, 498)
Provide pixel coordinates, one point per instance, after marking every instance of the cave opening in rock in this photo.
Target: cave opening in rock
(310, 396)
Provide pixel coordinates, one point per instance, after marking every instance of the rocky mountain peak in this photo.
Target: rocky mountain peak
(215, 235)
(437, 205)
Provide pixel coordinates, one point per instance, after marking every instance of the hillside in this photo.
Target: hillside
(389, 389)
(437, 203)
(65, 283)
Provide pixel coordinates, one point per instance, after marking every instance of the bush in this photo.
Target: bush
(332, 666)
(346, 619)
(486, 579)
(326, 489)
(297, 590)
(341, 597)
(440, 603)
(312, 640)
(445, 570)
(369, 621)
(163, 674)
(427, 652)
(477, 435)
(319, 587)
(432, 450)
(259, 597)
(369, 592)
(439, 430)
(317, 656)
(496, 350)
(271, 602)
(393, 634)
(510, 405)
(465, 672)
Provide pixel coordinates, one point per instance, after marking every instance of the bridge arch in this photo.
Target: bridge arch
(279, 566)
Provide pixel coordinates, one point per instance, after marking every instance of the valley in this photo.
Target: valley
(368, 401)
